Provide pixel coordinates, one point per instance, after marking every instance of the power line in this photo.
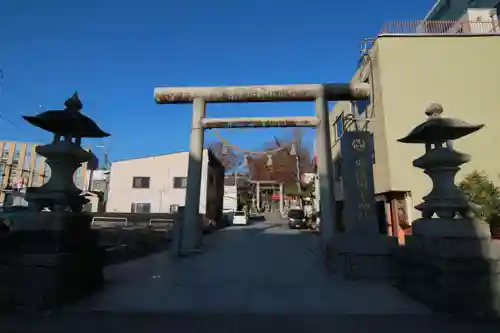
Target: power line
(243, 151)
(3, 116)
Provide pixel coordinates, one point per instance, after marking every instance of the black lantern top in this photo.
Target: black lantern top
(69, 122)
(437, 129)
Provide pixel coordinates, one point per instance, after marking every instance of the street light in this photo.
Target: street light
(106, 162)
(105, 147)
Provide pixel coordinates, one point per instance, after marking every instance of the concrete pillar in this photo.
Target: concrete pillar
(258, 196)
(388, 217)
(282, 213)
(395, 217)
(325, 171)
(191, 228)
(316, 194)
(408, 207)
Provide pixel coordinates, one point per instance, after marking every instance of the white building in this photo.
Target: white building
(230, 199)
(97, 180)
(157, 184)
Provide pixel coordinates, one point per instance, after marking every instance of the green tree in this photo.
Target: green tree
(483, 195)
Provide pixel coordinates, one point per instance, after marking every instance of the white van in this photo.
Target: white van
(240, 218)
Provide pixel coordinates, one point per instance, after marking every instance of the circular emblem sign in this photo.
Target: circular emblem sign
(359, 144)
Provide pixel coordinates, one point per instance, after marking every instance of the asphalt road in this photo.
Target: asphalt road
(259, 277)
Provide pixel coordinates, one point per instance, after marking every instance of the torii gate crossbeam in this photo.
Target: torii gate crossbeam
(190, 235)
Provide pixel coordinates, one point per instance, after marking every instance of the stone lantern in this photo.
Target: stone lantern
(51, 250)
(64, 156)
(448, 262)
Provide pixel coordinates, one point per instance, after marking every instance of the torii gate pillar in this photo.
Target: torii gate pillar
(191, 234)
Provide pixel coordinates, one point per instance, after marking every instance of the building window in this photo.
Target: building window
(140, 182)
(174, 208)
(339, 126)
(27, 158)
(6, 151)
(17, 154)
(180, 182)
(137, 207)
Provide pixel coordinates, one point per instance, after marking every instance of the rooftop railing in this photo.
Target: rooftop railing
(459, 27)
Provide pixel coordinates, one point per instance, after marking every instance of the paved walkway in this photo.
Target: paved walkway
(261, 268)
(258, 278)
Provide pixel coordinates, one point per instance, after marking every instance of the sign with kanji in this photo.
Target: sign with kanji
(359, 213)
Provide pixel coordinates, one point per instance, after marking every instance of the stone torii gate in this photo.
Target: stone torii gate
(190, 230)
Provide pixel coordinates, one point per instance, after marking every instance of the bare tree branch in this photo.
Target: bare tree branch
(227, 155)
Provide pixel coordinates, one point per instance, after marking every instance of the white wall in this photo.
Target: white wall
(230, 202)
(94, 203)
(161, 193)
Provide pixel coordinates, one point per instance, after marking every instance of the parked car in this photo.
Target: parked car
(296, 219)
(240, 217)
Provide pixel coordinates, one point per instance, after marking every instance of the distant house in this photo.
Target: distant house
(157, 184)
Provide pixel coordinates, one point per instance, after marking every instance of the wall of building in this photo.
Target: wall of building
(407, 74)
(454, 9)
(161, 193)
(459, 72)
(230, 199)
(369, 116)
(215, 188)
(98, 180)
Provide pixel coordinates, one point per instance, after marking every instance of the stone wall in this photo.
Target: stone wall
(448, 279)
(49, 262)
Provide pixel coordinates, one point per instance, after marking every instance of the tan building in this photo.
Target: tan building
(21, 167)
(409, 69)
(157, 184)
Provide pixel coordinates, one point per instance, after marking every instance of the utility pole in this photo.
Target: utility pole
(106, 162)
(236, 187)
(106, 156)
(293, 152)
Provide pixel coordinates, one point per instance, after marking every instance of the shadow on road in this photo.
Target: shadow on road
(257, 277)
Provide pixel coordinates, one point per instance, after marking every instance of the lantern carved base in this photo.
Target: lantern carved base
(49, 258)
(362, 256)
(59, 193)
(451, 265)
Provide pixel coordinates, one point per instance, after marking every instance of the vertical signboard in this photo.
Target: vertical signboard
(359, 212)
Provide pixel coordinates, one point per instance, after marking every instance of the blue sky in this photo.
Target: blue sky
(116, 52)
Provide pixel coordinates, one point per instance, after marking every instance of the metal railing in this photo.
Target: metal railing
(109, 221)
(456, 27)
(160, 220)
(114, 222)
